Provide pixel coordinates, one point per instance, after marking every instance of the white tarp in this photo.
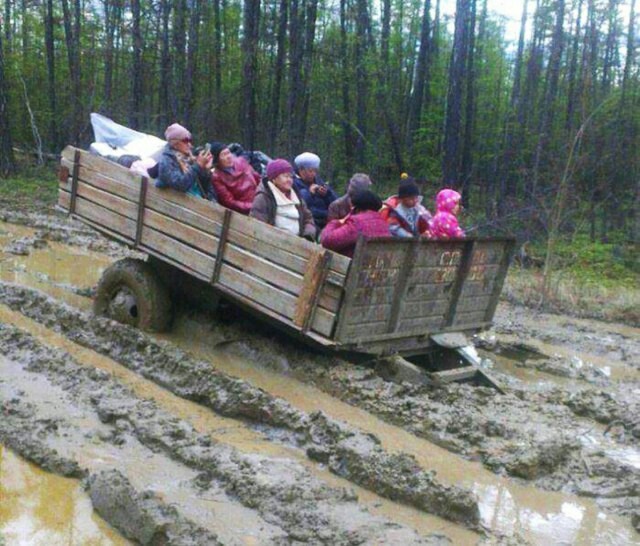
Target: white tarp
(114, 140)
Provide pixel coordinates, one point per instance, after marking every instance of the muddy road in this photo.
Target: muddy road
(226, 432)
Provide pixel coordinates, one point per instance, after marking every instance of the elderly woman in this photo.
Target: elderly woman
(277, 202)
(180, 170)
(233, 178)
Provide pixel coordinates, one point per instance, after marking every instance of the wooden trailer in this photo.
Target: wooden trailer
(393, 297)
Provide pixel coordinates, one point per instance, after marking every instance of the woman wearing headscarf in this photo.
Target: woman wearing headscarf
(180, 170)
(277, 203)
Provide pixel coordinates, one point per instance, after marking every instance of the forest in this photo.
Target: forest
(539, 132)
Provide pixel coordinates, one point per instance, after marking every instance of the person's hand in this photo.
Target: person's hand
(313, 188)
(322, 190)
(205, 159)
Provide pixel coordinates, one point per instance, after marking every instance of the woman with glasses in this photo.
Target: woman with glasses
(180, 170)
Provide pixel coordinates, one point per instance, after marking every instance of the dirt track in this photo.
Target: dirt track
(219, 433)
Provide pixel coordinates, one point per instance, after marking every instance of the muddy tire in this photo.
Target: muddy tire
(131, 292)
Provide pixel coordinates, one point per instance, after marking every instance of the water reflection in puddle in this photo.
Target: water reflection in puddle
(42, 509)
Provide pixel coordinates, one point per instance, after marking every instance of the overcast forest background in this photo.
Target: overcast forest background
(540, 132)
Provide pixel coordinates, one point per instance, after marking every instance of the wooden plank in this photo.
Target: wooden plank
(286, 259)
(351, 283)
(64, 198)
(402, 285)
(270, 297)
(277, 300)
(126, 190)
(141, 204)
(172, 262)
(314, 277)
(107, 200)
(205, 222)
(461, 276)
(203, 242)
(266, 271)
(499, 279)
(222, 243)
(174, 249)
(456, 374)
(101, 216)
(63, 174)
(74, 182)
(101, 165)
(282, 239)
(273, 318)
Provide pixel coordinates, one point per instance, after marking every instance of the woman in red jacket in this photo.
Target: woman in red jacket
(342, 235)
(233, 178)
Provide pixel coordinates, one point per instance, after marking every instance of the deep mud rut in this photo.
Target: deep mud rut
(219, 433)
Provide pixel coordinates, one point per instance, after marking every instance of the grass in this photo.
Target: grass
(576, 294)
(31, 185)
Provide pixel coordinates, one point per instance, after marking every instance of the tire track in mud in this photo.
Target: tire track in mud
(233, 432)
(347, 452)
(84, 407)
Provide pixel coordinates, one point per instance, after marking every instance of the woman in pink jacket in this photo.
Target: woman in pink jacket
(444, 225)
(342, 235)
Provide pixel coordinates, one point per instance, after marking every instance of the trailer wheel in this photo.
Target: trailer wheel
(131, 292)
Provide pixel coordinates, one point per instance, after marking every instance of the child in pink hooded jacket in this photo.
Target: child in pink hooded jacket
(444, 225)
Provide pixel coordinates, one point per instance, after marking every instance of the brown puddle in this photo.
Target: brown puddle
(236, 434)
(41, 509)
(540, 516)
(52, 268)
(612, 368)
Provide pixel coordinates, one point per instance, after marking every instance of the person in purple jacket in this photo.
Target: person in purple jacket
(342, 235)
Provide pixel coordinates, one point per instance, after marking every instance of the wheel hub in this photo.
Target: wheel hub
(123, 307)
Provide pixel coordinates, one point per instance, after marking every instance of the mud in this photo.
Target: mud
(26, 496)
(91, 418)
(347, 452)
(569, 422)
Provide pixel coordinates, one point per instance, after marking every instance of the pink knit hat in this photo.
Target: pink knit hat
(176, 132)
(277, 167)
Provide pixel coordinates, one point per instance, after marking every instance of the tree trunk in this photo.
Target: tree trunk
(453, 121)
(467, 143)
(51, 78)
(309, 40)
(192, 56)
(573, 69)
(295, 77)
(346, 77)
(165, 67)
(136, 67)
(217, 47)
(7, 162)
(179, 56)
(72, 38)
(547, 111)
(7, 25)
(421, 80)
(362, 48)
(274, 116)
(250, 52)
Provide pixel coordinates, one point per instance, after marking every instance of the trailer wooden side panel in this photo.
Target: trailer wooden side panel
(262, 264)
(413, 289)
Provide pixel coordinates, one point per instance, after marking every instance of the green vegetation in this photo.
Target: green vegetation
(31, 183)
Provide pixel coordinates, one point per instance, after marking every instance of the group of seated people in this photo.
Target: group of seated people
(299, 201)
